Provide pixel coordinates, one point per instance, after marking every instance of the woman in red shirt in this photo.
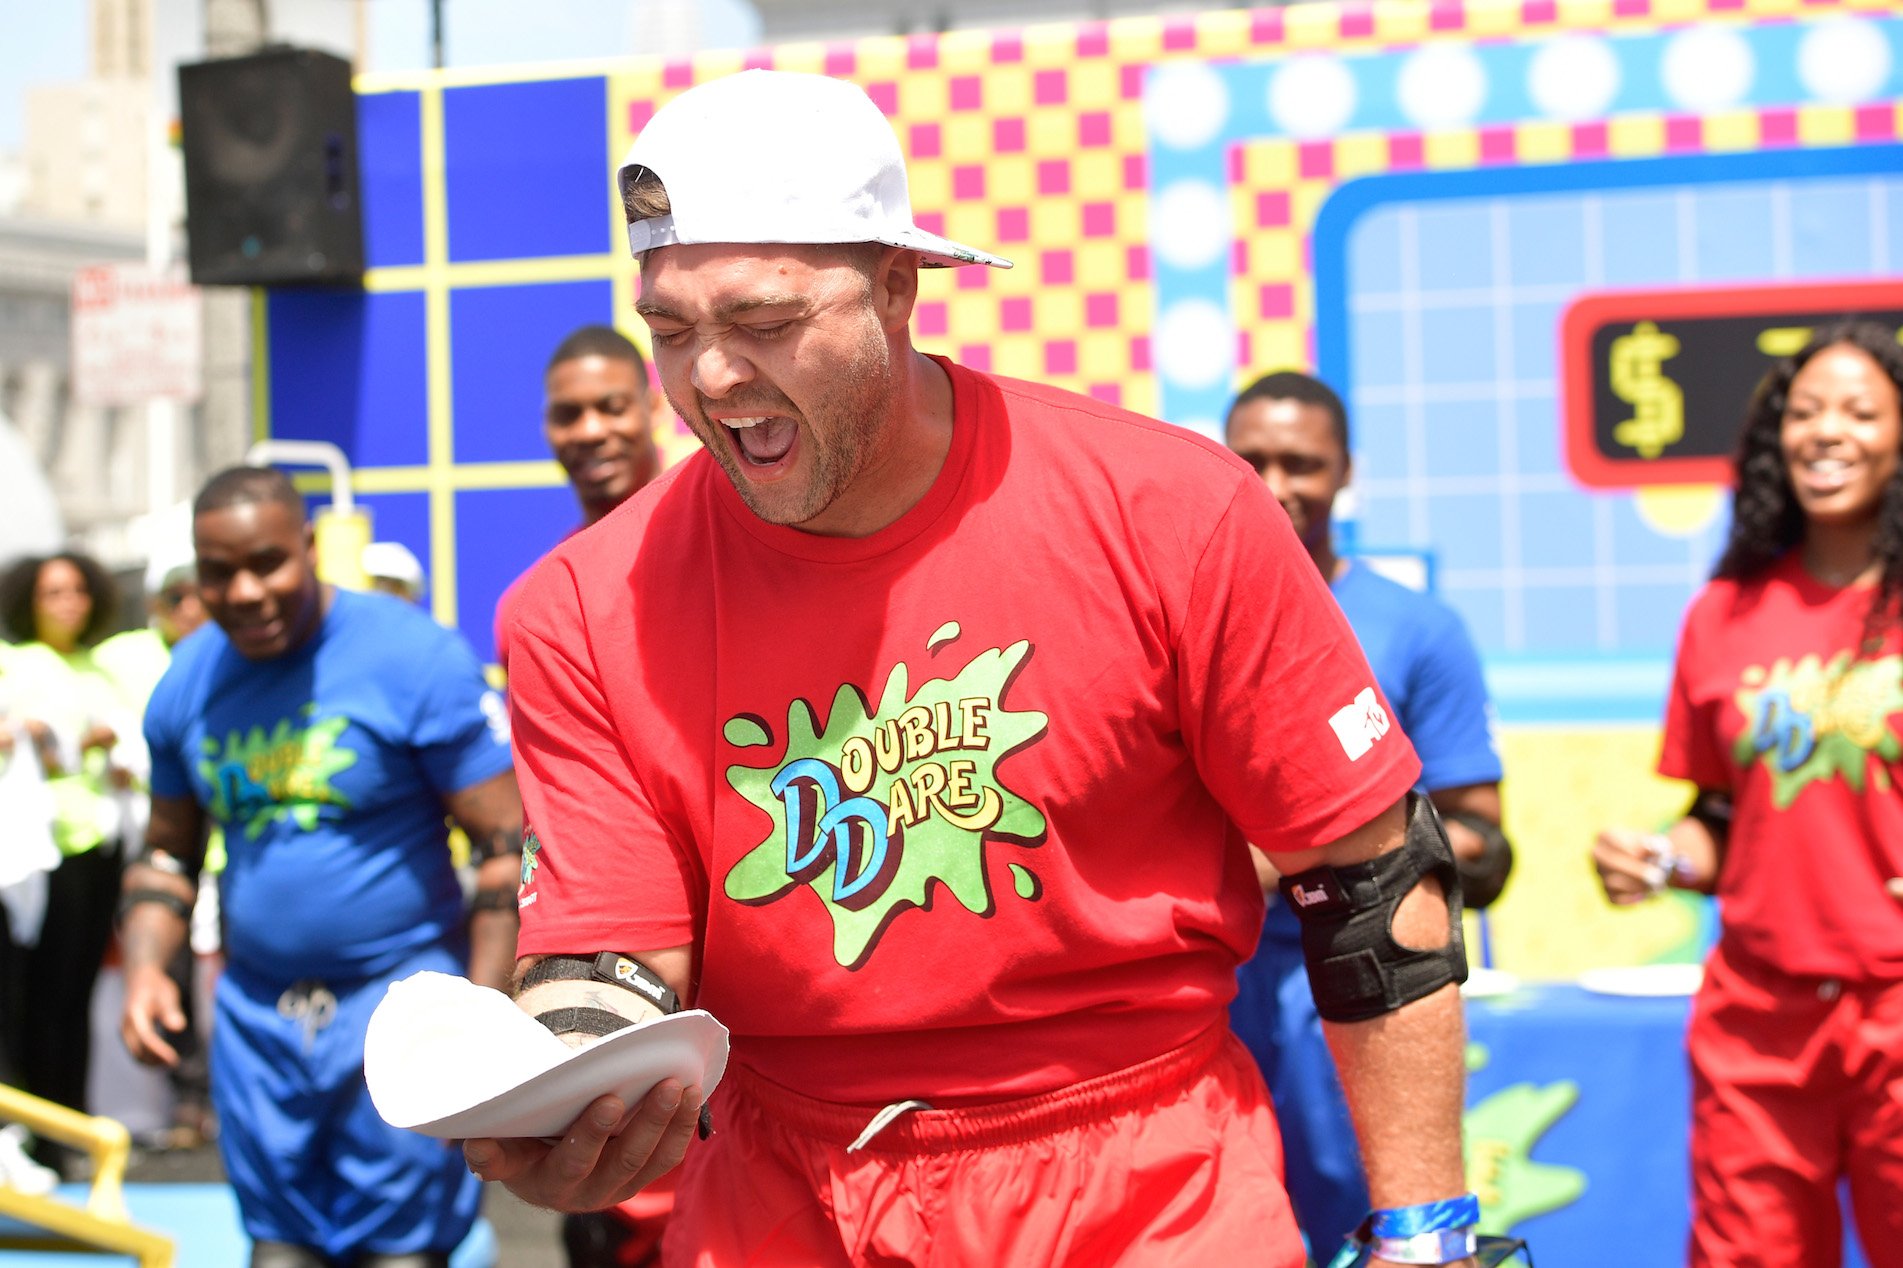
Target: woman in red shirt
(1786, 713)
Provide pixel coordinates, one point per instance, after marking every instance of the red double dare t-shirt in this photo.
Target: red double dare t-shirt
(1771, 703)
(957, 810)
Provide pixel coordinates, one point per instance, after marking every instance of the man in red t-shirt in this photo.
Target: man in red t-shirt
(599, 417)
(916, 729)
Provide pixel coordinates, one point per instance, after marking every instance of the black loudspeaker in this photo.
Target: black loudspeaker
(271, 193)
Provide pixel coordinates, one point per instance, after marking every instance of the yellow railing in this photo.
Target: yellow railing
(102, 1226)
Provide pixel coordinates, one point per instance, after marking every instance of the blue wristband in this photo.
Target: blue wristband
(1445, 1246)
(1428, 1217)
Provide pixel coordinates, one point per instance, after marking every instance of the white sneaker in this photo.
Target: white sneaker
(18, 1171)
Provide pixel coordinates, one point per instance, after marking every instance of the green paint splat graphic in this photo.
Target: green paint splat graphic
(284, 774)
(744, 732)
(1500, 1134)
(941, 636)
(531, 859)
(872, 810)
(1028, 886)
(1814, 720)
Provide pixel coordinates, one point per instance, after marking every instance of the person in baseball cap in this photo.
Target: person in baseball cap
(914, 729)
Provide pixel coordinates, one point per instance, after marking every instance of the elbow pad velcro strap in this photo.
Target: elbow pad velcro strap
(609, 967)
(1355, 966)
(494, 846)
(1482, 879)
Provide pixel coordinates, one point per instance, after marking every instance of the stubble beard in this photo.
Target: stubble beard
(850, 415)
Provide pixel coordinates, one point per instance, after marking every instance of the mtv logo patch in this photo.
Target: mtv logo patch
(1360, 724)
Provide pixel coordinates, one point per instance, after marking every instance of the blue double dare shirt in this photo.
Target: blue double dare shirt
(327, 768)
(1429, 671)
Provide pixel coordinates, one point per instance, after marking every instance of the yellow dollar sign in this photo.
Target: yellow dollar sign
(1638, 378)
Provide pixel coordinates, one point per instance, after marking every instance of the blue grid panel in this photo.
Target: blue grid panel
(1379, 435)
(1536, 432)
(1834, 210)
(394, 517)
(500, 338)
(351, 367)
(1650, 616)
(1639, 237)
(1464, 528)
(524, 174)
(1560, 620)
(1636, 542)
(1452, 247)
(1543, 237)
(1384, 520)
(1463, 438)
(390, 174)
(1534, 339)
(500, 533)
(1830, 229)
(1889, 239)
(1378, 361)
(1736, 236)
(1374, 254)
(1558, 530)
(1456, 344)
(1481, 607)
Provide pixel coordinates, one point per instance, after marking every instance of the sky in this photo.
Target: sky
(44, 41)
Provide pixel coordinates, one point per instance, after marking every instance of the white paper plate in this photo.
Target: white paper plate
(1484, 983)
(454, 1060)
(1644, 979)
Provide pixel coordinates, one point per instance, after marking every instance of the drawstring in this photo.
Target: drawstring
(884, 1119)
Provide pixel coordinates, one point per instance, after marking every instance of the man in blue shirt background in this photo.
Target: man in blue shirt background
(328, 733)
(1293, 430)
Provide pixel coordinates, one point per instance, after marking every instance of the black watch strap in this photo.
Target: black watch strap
(163, 897)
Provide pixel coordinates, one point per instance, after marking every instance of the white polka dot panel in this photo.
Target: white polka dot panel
(1844, 60)
(1190, 224)
(1573, 77)
(1188, 105)
(1195, 344)
(1442, 86)
(1312, 96)
(1708, 68)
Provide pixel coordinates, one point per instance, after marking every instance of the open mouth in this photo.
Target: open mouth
(764, 442)
(598, 469)
(1825, 475)
(252, 633)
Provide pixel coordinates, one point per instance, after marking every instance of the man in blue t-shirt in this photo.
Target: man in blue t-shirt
(1293, 430)
(328, 733)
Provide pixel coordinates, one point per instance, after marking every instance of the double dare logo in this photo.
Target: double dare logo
(871, 809)
(1811, 719)
(286, 773)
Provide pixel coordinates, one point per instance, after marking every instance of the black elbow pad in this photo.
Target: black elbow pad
(1355, 966)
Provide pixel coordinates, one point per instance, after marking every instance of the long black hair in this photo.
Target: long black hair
(1766, 520)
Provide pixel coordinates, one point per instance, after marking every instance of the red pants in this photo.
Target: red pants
(1172, 1162)
(1796, 1084)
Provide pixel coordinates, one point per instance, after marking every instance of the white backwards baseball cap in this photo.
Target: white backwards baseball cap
(773, 156)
